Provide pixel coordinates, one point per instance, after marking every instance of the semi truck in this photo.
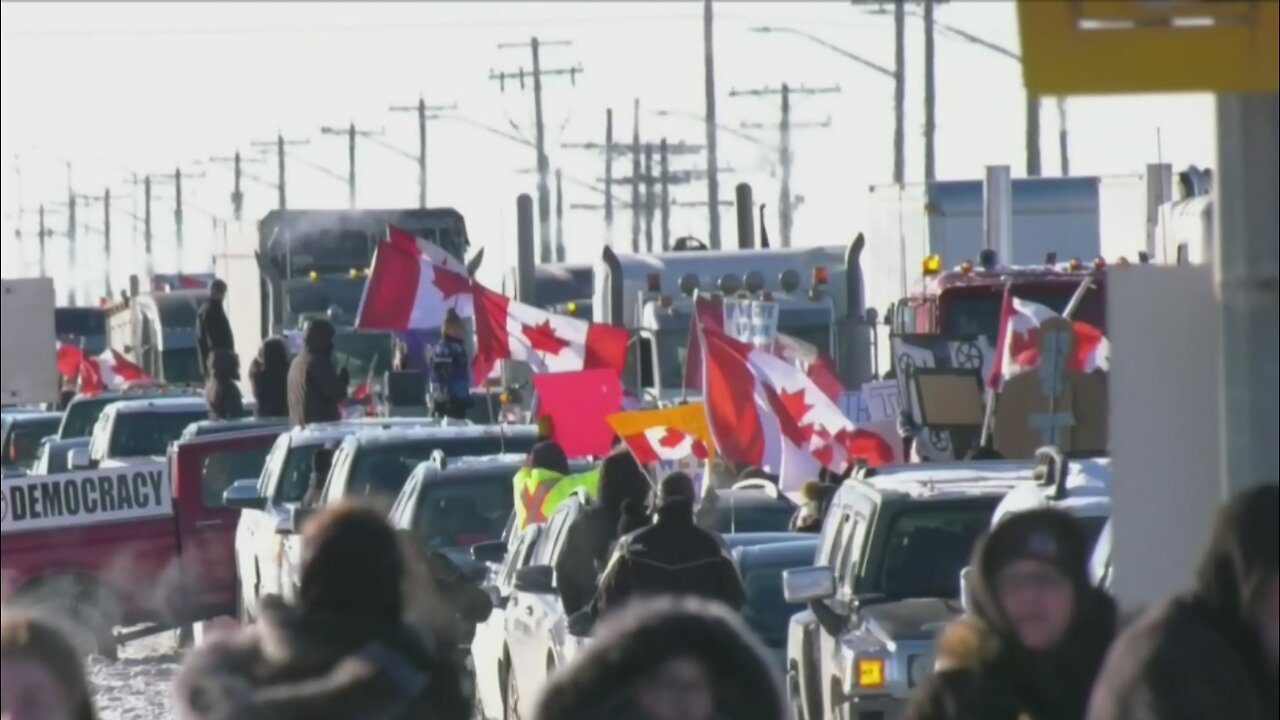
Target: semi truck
(28, 349)
(157, 332)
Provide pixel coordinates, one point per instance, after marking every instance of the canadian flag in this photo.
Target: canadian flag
(660, 443)
(412, 284)
(709, 312)
(766, 412)
(108, 370)
(1018, 347)
(510, 330)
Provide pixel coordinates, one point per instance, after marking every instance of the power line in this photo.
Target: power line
(424, 113)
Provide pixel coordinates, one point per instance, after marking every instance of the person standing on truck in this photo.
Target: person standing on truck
(316, 388)
(269, 378)
(213, 329)
(450, 371)
(221, 393)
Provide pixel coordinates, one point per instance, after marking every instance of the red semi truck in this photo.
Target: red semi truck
(147, 545)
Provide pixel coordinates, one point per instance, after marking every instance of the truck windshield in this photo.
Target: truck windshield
(144, 434)
(464, 512)
(927, 548)
(970, 312)
(296, 475)
(362, 353)
(22, 441)
(382, 470)
(182, 366)
(82, 414)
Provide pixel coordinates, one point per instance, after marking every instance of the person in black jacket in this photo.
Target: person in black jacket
(672, 556)
(1212, 652)
(1038, 632)
(321, 462)
(316, 389)
(623, 492)
(213, 329)
(221, 393)
(269, 378)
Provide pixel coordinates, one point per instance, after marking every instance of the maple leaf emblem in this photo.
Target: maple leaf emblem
(449, 283)
(790, 408)
(1024, 347)
(671, 438)
(542, 338)
(824, 455)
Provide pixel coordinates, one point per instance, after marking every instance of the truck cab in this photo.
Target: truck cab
(816, 292)
(132, 431)
(885, 581)
(157, 331)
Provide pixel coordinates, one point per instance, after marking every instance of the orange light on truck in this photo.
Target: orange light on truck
(820, 275)
(966, 267)
(870, 672)
(932, 265)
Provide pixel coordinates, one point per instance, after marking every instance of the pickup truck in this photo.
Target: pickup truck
(20, 439)
(148, 543)
(133, 431)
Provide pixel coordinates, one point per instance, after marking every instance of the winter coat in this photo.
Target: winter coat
(591, 535)
(451, 377)
(290, 666)
(984, 673)
(1197, 656)
(672, 556)
(269, 378)
(600, 683)
(221, 393)
(213, 332)
(316, 390)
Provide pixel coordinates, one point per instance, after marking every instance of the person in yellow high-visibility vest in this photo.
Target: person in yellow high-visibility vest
(545, 481)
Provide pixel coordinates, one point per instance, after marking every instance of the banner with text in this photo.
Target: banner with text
(85, 497)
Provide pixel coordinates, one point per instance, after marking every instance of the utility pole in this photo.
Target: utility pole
(559, 219)
(544, 164)
(179, 219)
(899, 91)
(146, 228)
(713, 169)
(666, 195)
(648, 197)
(1033, 135)
(635, 174)
(1063, 147)
(608, 174)
(423, 110)
(786, 158)
(44, 234)
(658, 201)
(352, 133)
(279, 145)
(106, 241)
(71, 246)
(237, 194)
(930, 124)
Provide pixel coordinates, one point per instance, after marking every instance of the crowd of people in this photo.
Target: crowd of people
(377, 626)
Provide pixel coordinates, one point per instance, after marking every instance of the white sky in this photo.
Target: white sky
(141, 87)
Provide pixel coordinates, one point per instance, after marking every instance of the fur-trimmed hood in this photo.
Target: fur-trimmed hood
(291, 666)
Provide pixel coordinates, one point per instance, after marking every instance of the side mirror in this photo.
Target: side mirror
(966, 589)
(489, 552)
(78, 458)
(242, 495)
(536, 579)
(811, 584)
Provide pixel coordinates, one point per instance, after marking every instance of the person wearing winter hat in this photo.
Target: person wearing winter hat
(1212, 652)
(673, 556)
(1037, 634)
(41, 675)
(624, 490)
(343, 652)
(669, 658)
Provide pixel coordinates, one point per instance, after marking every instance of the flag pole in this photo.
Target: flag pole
(989, 412)
(1076, 299)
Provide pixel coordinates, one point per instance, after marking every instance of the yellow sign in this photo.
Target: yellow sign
(691, 418)
(1133, 46)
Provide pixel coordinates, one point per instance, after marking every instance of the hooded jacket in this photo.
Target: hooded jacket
(624, 488)
(221, 393)
(1197, 655)
(544, 482)
(600, 683)
(316, 389)
(213, 331)
(984, 672)
(269, 378)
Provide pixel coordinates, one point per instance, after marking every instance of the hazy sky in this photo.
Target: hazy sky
(121, 88)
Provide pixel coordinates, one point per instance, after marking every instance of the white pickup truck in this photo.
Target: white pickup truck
(135, 431)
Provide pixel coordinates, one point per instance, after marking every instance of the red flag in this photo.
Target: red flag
(69, 359)
(107, 371)
(412, 284)
(1018, 346)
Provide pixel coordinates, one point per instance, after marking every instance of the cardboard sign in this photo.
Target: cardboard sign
(85, 497)
(578, 404)
(875, 408)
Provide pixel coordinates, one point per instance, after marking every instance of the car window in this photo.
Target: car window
(827, 540)
(142, 434)
(926, 549)
(550, 538)
(737, 516)
(271, 467)
(383, 469)
(22, 442)
(462, 513)
(223, 468)
(519, 556)
(295, 476)
(857, 543)
(80, 417)
(844, 548)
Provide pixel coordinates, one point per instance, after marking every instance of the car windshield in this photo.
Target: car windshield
(182, 365)
(296, 475)
(82, 414)
(461, 513)
(22, 441)
(927, 548)
(767, 611)
(143, 434)
(968, 312)
(384, 469)
(733, 515)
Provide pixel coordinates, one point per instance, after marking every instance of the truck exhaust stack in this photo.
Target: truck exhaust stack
(997, 212)
(743, 204)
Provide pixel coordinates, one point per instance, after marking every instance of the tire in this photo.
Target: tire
(510, 699)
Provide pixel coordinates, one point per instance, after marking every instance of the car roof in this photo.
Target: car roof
(946, 480)
(747, 539)
(1087, 492)
(464, 467)
(799, 550)
(272, 431)
(158, 404)
(396, 435)
(203, 427)
(749, 497)
(32, 418)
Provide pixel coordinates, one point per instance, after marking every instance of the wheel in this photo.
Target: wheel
(511, 699)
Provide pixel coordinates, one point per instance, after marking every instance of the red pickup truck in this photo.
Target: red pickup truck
(148, 544)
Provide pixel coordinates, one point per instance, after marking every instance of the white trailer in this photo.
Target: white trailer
(28, 345)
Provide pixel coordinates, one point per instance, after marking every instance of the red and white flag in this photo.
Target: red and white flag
(510, 330)
(1018, 347)
(412, 284)
(663, 442)
(766, 412)
(107, 371)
